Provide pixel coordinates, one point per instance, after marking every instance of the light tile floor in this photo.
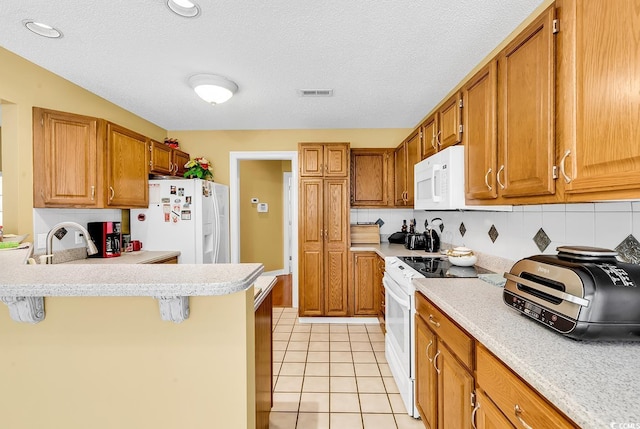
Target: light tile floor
(332, 376)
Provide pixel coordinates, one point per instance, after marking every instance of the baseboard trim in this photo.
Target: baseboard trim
(343, 320)
(273, 273)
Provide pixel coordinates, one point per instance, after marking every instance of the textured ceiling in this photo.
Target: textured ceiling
(389, 62)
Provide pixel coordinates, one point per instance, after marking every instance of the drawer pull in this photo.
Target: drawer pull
(435, 364)
(519, 411)
(428, 347)
(473, 415)
(433, 322)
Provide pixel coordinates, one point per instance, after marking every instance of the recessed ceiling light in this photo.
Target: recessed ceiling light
(42, 29)
(184, 8)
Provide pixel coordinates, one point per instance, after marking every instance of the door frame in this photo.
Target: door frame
(234, 205)
(287, 190)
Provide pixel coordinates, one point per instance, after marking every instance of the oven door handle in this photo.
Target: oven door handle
(395, 296)
(549, 291)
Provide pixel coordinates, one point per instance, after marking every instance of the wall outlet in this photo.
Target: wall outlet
(79, 237)
(42, 241)
(263, 208)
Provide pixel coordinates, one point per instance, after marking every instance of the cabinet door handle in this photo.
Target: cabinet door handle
(498, 176)
(518, 412)
(562, 161)
(473, 414)
(486, 178)
(93, 192)
(428, 347)
(435, 361)
(433, 321)
(438, 138)
(433, 138)
(113, 193)
(170, 167)
(175, 168)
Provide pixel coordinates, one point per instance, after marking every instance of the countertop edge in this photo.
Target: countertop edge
(128, 280)
(266, 283)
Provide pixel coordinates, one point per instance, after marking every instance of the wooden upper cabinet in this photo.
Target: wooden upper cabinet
(430, 136)
(67, 160)
(161, 158)
(450, 122)
(599, 81)
(324, 160)
(406, 156)
(400, 174)
(179, 159)
(126, 168)
(480, 136)
(526, 111)
(371, 177)
(166, 160)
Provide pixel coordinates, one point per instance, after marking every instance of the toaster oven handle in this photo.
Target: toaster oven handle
(549, 291)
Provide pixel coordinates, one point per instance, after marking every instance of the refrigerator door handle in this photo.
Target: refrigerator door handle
(216, 214)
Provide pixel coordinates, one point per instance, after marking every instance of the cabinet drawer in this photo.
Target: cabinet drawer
(511, 394)
(460, 343)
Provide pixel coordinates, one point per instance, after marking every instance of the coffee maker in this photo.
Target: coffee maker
(107, 237)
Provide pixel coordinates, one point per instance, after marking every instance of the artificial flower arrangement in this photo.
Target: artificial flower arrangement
(199, 168)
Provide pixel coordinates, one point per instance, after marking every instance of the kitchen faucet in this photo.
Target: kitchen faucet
(91, 247)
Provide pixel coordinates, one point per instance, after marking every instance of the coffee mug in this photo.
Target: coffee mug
(137, 245)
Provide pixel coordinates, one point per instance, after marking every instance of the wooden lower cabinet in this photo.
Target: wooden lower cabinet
(365, 283)
(521, 404)
(447, 396)
(455, 390)
(444, 385)
(487, 415)
(264, 362)
(426, 376)
(381, 293)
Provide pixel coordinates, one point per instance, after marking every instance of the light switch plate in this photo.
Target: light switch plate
(42, 241)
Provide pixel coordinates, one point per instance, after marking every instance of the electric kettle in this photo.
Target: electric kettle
(431, 238)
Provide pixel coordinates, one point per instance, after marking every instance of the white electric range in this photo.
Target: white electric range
(400, 311)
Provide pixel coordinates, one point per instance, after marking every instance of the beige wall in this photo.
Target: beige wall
(110, 362)
(261, 234)
(216, 145)
(22, 86)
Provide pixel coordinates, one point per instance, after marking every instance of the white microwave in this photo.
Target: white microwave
(439, 183)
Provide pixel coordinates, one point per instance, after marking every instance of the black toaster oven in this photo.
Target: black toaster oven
(584, 293)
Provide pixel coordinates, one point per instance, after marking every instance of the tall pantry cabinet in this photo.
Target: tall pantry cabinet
(324, 228)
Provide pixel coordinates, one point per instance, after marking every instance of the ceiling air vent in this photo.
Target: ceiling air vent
(315, 92)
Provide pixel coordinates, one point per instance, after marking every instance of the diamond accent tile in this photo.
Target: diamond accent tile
(493, 233)
(629, 250)
(462, 229)
(541, 239)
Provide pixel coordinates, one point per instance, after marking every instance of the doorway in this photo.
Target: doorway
(290, 236)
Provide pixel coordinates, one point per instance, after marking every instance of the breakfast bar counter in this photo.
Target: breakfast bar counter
(110, 352)
(593, 383)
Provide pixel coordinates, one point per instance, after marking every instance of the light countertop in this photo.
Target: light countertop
(594, 384)
(388, 249)
(139, 257)
(263, 286)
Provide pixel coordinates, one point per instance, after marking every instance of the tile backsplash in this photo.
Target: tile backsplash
(605, 224)
(44, 219)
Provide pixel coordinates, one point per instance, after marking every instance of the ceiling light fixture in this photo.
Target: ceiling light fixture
(42, 29)
(213, 89)
(184, 8)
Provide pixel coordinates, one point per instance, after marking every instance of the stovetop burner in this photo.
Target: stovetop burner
(438, 267)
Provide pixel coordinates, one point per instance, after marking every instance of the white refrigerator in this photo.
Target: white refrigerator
(189, 215)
